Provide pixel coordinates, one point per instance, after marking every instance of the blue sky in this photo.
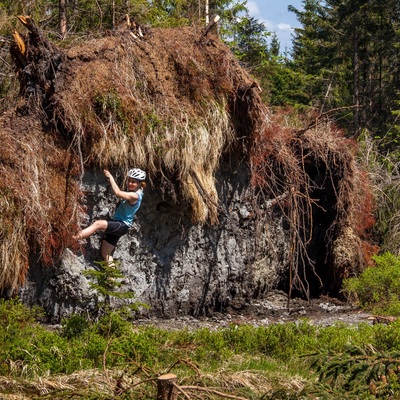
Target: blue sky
(276, 17)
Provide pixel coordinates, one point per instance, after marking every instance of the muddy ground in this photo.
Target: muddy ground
(274, 309)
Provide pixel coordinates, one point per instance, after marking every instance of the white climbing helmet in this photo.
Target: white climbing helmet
(137, 173)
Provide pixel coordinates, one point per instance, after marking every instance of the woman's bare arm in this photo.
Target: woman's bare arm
(132, 197)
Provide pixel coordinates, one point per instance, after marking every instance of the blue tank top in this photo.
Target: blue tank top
(126, 211)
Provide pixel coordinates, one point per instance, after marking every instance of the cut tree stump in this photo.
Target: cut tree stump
(165, 387)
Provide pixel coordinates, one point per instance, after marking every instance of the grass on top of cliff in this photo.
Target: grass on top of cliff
(115, 358)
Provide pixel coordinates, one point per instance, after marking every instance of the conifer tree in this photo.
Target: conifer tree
(349, 48)
(250, 41)
(314, 53)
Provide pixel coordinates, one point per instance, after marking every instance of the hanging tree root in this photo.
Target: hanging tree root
(317, 168)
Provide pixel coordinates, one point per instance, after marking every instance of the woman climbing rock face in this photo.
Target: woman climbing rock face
(123, 216)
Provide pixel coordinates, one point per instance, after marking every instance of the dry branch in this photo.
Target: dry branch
(188, 363)
(325, 114)
(211, 25)
(213, 391)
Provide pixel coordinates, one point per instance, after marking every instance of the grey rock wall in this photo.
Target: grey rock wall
(174, 266)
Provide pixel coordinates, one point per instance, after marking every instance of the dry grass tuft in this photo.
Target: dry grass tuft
(162, 113)
(38, 197)
(162, 103)
(119, 383)
(84, 381)
(13, 246)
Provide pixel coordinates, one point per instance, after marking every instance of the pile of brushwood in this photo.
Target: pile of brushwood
(174, 102)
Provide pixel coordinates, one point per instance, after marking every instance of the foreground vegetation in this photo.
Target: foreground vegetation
(112, 356)
(377, 288)
(115, 358)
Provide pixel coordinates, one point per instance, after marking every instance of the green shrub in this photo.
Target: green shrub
(387, 337)
(114, 323)
(377, 288)
(74, 325)
(14, 314)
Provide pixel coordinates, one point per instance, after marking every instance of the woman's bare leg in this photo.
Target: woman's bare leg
(107, 250)
(100, 225)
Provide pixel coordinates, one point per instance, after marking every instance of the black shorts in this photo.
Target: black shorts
(115, 229)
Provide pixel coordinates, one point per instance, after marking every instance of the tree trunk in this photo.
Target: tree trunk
(63, 18)
(356, 81)
(100, 15)
(211, 25)
(113, 13)
(165, 387)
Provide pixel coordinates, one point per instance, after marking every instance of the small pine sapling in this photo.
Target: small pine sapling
(107, 280)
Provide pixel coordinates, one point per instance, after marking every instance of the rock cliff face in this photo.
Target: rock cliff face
(173, 265)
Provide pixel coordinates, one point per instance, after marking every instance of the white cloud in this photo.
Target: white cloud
(284, 27)
(275, 17)
(254, 11)
(266, 22)
(283, 31)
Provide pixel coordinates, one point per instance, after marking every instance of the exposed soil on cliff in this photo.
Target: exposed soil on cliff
(177, 103)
